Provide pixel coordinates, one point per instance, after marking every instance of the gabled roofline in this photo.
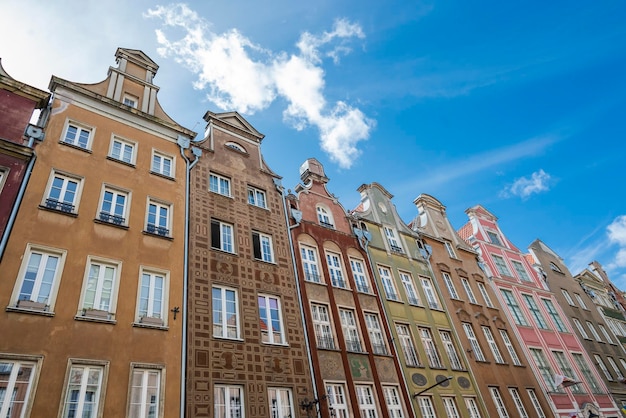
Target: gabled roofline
(10, 84)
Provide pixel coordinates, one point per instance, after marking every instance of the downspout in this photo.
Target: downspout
(281, 190)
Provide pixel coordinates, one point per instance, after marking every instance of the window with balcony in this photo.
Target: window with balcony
(335, 270)
(406, 344)
(388, 283)
(358, 273)
(430, 348)
(409, 288)
(63, 192)
(323, 328)
(350, 330)
(309, 264)
(376, 334)
(114, 206)
(429, 291)
(158, 220)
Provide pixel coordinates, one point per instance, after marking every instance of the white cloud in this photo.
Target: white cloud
(523, 187)
(241, 75)
(616, 232)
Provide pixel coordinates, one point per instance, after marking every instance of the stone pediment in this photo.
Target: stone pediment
(235, 120)
(137, 56)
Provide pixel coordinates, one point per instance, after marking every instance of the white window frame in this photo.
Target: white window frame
(510, 348)
(521, 271)
(96, 282)
(501, 266)
(535, 401)
(519, 405)
(360, 276)
(322, 326)
(367, 401)
(350, 329)
(472, 407)
(494, 237)
(493, 345)
(141, 389)
(335, 270)
(449, 405)
(451, 351)
(430, 348)
(220, 184)
(393, 401)
(125, 146)
(226, 234)
(483, 291)
(224, 308)
(4, 172)
(431, 295)
(535, 311)
(566, 370)
(606, 334)
(588, 375)
(265, 249)
(581, 329)
(477, 351)
(468, 291)
(447, 279)
(514, 308)
(130, 100)
(568, 298)
(386, 277)
(35, 302)
(283, 398)
(86, 367)
(113, 215)
(498, 402)
(375, 333)
(310, 266)
(580, 301)
(602, 366)
(595, 334)
(148, 312)
(409, 288)
(79, 128)
(257, 197)
(68, 200)
(324, 217)
(411, 357)
(158, 164)
(20, 365)
(230, 409)
(427, 409)
(337, 399)
(272, 335)
(449, 249)
(156, 222)
(392, 239)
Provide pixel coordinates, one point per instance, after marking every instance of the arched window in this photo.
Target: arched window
(235, 146)
(325, 217)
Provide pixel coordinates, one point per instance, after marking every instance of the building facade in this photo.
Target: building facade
(92, 274)
(494, 355)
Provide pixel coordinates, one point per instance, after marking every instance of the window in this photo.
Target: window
(409, 288)
(472, 408)
(448, 346)
(449, 249)
(256, 197)
(281, 402)
(367, 403)
(560, 326)
(430, 348)
(406, 343)
(593, 331)
(514, 308)
(580, 301)
(606, 334)
(387, 279)
(153, 298)
(228, 402)
(616, 369)
(323, 329)
(566, 370)
(39, 277)
(222, 236)
(544, 369)
(145, 393)
(534, 311)
(16, 386)
(392, 399)
(262, 247)
(83, 391)
(271, 320)
(450, 285)
(519, 405)
(63, 193)
(582, 331)
(426, 407)
(450, 406)
(360, 279)
(100, 289)
(350, 330)
(521, 271)
(235, 146)
(219, 184)
(602, 367)
(336, 395)
(485, 295)
(475, 345)
(122, 150)
(325, 217)
(3, 176)
(335, 271)
(535, 401)
(431, 296)
(493, 345)
(225, 313)
(162, 164)
(588, 376)
(501, 265)
(510, 348)
(555, 267)
(309, 264)
(376, 334)
(469, 291)
(494, 238)
(499, 403)
(158, 221)
(568, 298)
(130, 100)
(77, 135)
(114, 206)
(394, 244)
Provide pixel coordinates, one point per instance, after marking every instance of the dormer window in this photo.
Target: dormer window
(494, 238)
(130, 100)
(325, 217)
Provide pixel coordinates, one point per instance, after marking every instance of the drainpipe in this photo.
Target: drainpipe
(184, 143)
(281, 190)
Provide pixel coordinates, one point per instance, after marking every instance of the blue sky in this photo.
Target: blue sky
(518, 106)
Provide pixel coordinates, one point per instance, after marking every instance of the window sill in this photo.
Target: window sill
(164, 176)
(266, 262)
(154, 234)
(284, 345)
(259, 207)
(150, 326)
(223, 251)
(76, 147)
(223, 195)
(131, 165)
(60, 212)
(120, 226)
(29, 311)
(237, 339)
(87, 318)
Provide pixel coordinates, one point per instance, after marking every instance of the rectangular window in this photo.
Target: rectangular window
(485, 294)
(16, 386)
(100, 289)
(475, 345)
(406, 343)
(159, 215)
(450, 285)
(77, 135)
(394, 244)
(602, 367)
(392, 399)
(114, 206)
(582, 331)
(38, 278)
(558, 322)
(568, 298)
(358, 272)
(426, 407)
(130, 100)
(606, 334)
(616, 369)
(566, 370)
(534, 311)
(588, 376)
(468, 291)
(491, 341)
(83, 391)
(430, 348)
(580, 301)
(544, 369)
(228, 402)
(309, 264)
(409, 288)
(494, 238)
(375, 333)
(514, 308)
(387, 280)
(367, 403)
(337, 403)
(225, 313)
(145, 393)
(271, 320)
(262, 247)
(501, 265)
(219, 184)
(3, 175)
(498, 402)
(335, 271)
(322, 327)
(519, 405)
(256, 197)
(535, 400)
(449, 249)
(431, 296)
(450, 407)
(63, 192)
(153, 298)
(222, 236)
(472, 408)
(521, 271)
(122, 150)
(350, 330)
(593, 331)
(450, 349)
(510, 348)
(162, 164)
(281, 402)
